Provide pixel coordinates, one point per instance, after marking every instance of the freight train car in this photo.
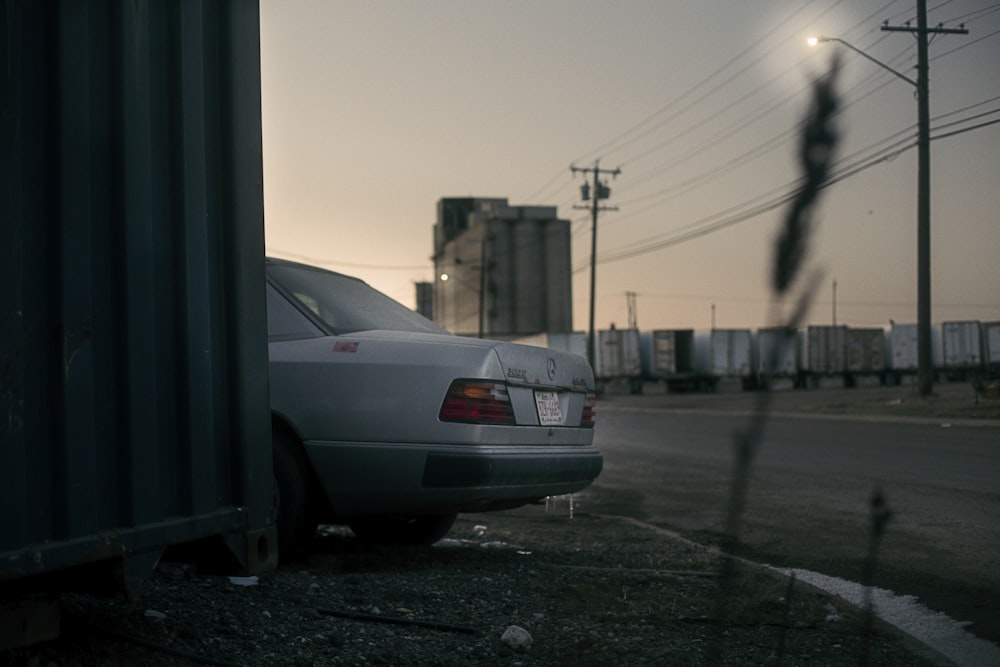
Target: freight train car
(961, 349)
(618, 360)
(864, 356)
(667, 357)
(816, 356)
(777, 358)
(726, 357)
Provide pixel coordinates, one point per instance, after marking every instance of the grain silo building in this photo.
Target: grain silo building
(501, 270)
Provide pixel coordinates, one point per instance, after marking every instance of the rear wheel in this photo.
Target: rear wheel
(412, 530)
(294, 495)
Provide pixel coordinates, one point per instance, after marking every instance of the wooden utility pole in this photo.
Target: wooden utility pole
(594, 194)
(925, 369)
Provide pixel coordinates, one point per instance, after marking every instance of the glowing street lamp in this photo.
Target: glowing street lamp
(813, 41)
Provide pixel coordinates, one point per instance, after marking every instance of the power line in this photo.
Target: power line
(845, 167)
(846, 302)
(734, 129)
(966, 45)
(655, 120)
(622, 140)
(628, 137)
(712, 223)
(353, 265)
(719, 86)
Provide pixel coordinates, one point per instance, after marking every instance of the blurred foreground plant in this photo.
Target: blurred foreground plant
(791, 250)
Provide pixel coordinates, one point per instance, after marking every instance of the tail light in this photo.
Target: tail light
(589, 411)
(476, 402)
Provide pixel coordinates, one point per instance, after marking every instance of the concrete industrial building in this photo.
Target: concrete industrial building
(501, 270)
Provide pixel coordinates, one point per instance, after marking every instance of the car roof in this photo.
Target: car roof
(299, 265)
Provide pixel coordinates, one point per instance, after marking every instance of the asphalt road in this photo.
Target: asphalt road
(670, 462)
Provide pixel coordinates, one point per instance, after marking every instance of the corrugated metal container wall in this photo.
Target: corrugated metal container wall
(731, 353)
(903, 347)
(617, 354)
(864, 350)
(667, 352)
(962, 346)
(777, 352)
(901, 341)
(133, 353)
(991, 340)
(824, 348)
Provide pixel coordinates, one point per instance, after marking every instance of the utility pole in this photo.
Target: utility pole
(599, 190)
(482, 275)
(633, 313)
(925, 372)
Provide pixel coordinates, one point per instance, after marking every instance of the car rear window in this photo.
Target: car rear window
(285, 321)
(346, 304)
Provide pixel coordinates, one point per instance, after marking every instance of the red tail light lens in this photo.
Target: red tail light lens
(475, 402)
(589, 411)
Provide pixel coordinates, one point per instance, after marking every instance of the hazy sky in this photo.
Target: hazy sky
(373, 111)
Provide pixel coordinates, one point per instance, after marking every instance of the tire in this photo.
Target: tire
(294, 495)
(409, 530)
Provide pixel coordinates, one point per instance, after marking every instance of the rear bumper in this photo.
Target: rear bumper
(377, 478)
(462, 469)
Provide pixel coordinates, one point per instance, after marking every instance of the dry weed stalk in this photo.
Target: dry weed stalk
(818, 141)
(879, 514)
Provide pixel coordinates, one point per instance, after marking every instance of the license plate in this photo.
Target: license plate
(549, 410)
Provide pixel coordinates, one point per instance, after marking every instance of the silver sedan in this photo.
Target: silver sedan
(388, 423)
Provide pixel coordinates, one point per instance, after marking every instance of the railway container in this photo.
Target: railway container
(668, 356)
(901, 344)
(991, 344)
(133, 342)
(725, 356)
(823, 355)
(731, 353)
(777, 357)
(864, 355)
(961, 348)
(617, 358)
(902, 354)
(667, 352)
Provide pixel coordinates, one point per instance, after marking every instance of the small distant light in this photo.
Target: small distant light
(812, 41)
(444, 276)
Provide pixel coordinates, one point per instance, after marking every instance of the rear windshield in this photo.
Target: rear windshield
(345, 304)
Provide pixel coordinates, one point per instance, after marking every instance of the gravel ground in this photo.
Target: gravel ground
(950, 401)
(582, 589)
(541, 585)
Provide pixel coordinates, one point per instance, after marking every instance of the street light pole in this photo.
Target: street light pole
(925, 371)
(814, 40)
(482, 278)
